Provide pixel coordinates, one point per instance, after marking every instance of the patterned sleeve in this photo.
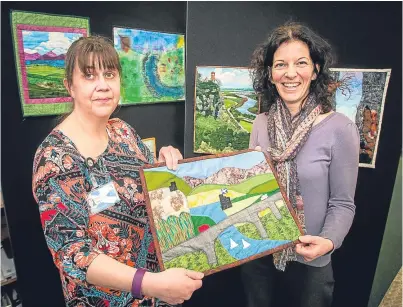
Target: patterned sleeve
(145, 151)
(59, 191)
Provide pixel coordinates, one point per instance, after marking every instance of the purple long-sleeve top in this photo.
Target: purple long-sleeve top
(327, 169)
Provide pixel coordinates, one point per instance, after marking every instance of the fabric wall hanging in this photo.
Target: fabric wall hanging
(153, 65)
(361, 97)
(225, 107)
(216, 212)
(150, 143)
(40, 45)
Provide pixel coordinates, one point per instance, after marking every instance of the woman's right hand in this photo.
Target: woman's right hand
(172, 286)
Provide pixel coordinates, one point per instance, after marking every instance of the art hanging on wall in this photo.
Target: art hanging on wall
(218, 211)
(40, 45)
(225, 107)
(150, 143)
(361, 97)
(153, 65)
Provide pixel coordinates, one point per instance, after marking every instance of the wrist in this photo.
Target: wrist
(330, 245)
(147, 284)
(137, 283)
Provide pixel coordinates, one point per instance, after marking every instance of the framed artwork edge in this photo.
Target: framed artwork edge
(260, 255)
(236, 263)
(194, 102)
(152, 102)
(151, 220)
(388, 72)
(51, 14)
(142, 29)
(152, 139)
(183, 98)
(14, 22)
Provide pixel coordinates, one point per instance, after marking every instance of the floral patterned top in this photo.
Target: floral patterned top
(61, 182)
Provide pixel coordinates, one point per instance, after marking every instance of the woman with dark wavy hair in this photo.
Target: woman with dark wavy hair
(315, 152)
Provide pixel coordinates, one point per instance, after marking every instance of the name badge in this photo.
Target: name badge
(102, 198)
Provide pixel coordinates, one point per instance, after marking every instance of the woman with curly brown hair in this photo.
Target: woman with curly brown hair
(315, 152)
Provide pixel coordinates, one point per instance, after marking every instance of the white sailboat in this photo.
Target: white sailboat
(245, 244)
(232, 244)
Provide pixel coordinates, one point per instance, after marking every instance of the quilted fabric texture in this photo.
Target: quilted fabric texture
(212, 213)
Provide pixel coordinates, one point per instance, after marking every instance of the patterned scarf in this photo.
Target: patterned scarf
(287, 136)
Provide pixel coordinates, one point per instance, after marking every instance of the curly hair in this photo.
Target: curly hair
(320, 52)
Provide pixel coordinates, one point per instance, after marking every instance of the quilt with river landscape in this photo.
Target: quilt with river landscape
(225, 107)
(153, 65)
(216, 212)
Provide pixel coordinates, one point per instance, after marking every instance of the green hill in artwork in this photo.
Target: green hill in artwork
(208, 187)
(267, 186)
(157, 180)
(201, 220)
(256, 184)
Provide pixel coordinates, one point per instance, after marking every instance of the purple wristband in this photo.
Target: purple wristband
(136, 284)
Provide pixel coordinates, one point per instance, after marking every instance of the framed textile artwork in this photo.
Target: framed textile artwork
(361, 97)
(150, 143)
(225, 107)
(40, 45)
(153, 65)
(218, 211)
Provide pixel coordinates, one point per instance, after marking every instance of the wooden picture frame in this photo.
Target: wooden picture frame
(252, 196)
(151, 144)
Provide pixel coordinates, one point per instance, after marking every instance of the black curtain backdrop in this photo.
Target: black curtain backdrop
(364, 35)
(38, 279)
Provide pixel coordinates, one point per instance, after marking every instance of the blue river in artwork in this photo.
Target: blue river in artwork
(154, 83)
(247, 104)
(242, 246)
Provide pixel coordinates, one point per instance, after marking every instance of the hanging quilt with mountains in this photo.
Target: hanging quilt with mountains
(40, 44)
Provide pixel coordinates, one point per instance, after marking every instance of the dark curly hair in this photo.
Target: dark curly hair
(320, 52)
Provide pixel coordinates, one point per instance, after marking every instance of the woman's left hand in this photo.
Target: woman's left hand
(312, 247)
(170, 156)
